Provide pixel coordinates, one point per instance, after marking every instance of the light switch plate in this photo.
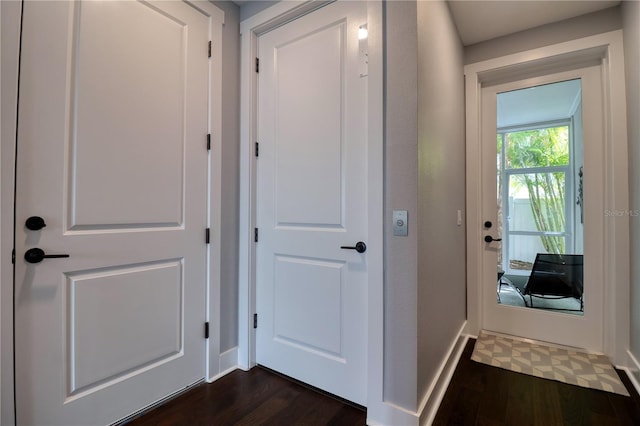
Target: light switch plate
(400, 223)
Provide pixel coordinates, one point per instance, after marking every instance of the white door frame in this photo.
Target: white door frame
(11, 15)
(606, 50)
(250, 30)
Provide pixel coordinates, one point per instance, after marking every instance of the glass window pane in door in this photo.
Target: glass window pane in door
(537, 148)
(537, 202)
(522, 252)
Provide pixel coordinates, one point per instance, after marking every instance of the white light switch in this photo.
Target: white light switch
(400, 223)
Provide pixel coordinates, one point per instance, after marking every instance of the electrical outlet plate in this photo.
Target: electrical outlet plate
(400, 223)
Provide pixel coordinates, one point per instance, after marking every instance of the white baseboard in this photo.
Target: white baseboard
(229, 360)
(633, 371)
(433, 397)
(228, 363)
(387, 414)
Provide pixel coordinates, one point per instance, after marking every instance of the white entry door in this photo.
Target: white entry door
(312, 200)
(548, 200)
(111, 156)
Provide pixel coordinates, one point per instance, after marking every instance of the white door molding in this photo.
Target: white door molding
(250, 29)
(605, 50)
(215, 363)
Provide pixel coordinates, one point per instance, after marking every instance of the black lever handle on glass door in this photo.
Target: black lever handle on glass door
(36, 255)
(360, 247)
(489, 238)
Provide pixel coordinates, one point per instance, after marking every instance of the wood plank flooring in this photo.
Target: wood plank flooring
(477, 395)
(480, 394)
(256, 397)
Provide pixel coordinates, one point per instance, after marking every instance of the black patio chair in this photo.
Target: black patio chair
(556, 276)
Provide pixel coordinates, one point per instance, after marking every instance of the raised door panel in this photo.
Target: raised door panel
(308, 304)
(309, 105)
(127, 123)
(104, 346)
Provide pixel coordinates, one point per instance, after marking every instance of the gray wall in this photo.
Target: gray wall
(250, 8)
(230, 175)
(425, 298)
(631, 20)
(441, 189)
(401, 193)
(546, 35)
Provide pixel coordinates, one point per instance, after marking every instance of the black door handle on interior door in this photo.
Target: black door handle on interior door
(35, 255)
(489, 238)
(360, 247)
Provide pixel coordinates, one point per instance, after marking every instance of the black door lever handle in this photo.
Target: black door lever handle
(360, 247)
(35, 255)
(489, 238)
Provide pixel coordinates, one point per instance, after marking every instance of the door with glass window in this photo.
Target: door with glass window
(542, 208)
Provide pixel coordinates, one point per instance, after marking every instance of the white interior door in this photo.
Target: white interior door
(584, 330)
(112, 120)
(312, 198)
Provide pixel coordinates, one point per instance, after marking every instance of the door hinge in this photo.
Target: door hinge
(206, 330)
(255, 235)
(208, 141)
(209, 48)
(206, 235)
(13, 256)
(255, 320)
(257, 149)
(258, 65)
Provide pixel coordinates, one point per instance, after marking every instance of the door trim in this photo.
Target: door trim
(214, 361)
(11, 13)
(606, 50)
(250, 30)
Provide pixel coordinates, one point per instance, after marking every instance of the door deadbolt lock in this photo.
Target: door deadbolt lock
(35, 223)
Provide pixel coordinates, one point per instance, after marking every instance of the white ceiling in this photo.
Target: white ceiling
(539, 104)
(482, 20)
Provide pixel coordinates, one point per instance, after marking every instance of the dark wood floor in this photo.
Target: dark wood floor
(477, 395)
(480, 394)
(256, 397)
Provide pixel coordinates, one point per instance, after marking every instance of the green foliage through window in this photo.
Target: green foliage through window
(537, 148)
(548, 147)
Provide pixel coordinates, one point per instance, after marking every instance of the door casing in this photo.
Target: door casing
(11, 13)
(250, 30)
(603, 49)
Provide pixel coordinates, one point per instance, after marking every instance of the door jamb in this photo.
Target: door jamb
(607, 50)
(250, 29)
(216, 17)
